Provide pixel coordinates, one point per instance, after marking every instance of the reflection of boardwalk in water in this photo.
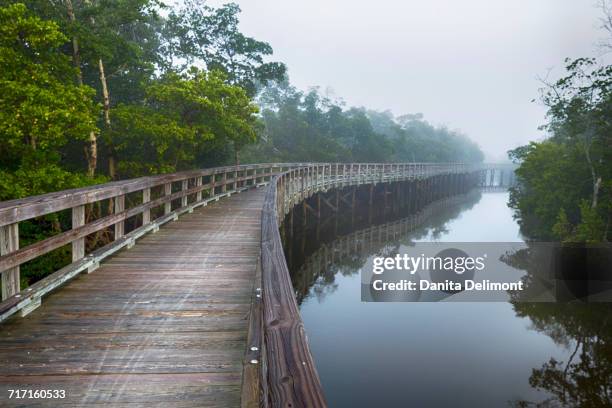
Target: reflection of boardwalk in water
(320, 266)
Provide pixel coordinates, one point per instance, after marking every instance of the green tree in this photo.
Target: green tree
(41, 109)
(182, 117)
(198, 33)
(565, 183)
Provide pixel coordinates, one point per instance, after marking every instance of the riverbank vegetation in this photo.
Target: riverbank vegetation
(565, 182)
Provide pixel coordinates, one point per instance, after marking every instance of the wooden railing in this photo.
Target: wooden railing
(288, 377)
(177, 193)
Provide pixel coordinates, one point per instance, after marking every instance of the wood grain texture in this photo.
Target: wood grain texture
(293, 380)
(162, 324)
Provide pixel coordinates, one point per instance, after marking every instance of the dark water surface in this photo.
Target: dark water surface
(449, 353)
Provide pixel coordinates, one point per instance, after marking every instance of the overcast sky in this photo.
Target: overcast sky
(469, 64)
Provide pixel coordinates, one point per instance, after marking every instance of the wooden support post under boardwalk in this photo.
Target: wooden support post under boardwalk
(9, 242)
(304, 215)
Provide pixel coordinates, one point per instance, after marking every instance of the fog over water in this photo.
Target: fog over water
(471, 65)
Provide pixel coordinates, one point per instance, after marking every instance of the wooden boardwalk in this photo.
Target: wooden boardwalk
(200, 313)
(161, 324)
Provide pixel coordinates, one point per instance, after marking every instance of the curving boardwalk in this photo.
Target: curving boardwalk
(161, 324)
(196, 310)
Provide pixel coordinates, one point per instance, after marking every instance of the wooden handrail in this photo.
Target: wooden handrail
(30, 207)
(232, 179)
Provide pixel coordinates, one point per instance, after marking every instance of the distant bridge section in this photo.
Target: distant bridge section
(497, 175)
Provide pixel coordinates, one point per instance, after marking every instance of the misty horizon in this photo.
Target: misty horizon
(473, 67)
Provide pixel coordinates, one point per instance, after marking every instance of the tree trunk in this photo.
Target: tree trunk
(91, 151)
(105, 94)
(587, 143)
(76, 54)
(596, 186)
(236, 154)
(112, 169)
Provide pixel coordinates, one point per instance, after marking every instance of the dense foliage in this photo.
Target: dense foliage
(41, 109)
(565, 189)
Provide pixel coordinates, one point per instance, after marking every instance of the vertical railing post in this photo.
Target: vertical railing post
(184, 187)
(78, 220)
(224, 186)
(9, 242)
(199, 193)
(212, 184)
(302, 183)
(337, 175)
(167, 192)
(289, 187)
(146, 213)
(323, 167)
(119, 207)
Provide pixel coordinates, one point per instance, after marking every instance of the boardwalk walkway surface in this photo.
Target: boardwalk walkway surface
(161, 324)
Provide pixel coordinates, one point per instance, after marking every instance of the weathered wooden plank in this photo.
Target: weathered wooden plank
(159, 390)
(254, 373)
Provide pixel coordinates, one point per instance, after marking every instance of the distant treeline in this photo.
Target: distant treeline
(311, 127)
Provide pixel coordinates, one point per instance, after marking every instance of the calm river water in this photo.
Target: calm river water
(455, 354)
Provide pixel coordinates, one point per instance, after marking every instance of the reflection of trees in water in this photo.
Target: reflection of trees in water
(585, 379)
(585, 330)
(346, 253)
